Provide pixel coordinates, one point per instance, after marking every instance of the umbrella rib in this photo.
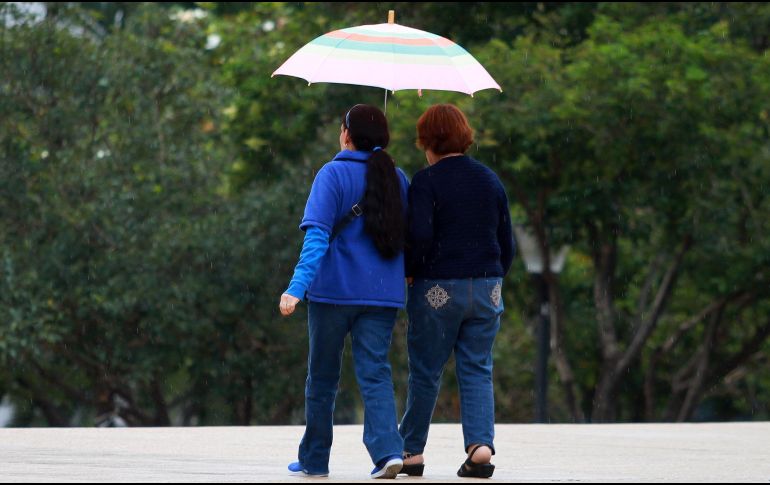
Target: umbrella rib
(452, 60)
(393, 67)
(348, 34)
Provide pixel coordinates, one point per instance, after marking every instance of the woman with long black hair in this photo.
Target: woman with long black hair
(351, 271)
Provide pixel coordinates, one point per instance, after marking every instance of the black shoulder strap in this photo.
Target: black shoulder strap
(356, 211)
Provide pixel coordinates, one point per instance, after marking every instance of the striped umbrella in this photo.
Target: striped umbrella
(388, 56)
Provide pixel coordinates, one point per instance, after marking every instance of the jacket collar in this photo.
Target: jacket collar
(352, 156)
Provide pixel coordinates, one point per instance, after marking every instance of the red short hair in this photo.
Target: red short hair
(443, 129)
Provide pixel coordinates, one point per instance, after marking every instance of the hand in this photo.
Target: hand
(288, 304)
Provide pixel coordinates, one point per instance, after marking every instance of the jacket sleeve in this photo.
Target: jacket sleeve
(313, 250)
(323, 204)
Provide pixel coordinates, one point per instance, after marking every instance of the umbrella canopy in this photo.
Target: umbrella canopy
(388, 56)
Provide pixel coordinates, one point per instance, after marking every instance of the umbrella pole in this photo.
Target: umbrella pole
(391, 20)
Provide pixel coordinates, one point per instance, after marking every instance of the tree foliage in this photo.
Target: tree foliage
(152, 176)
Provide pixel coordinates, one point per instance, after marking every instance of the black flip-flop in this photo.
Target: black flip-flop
(469, 469)
(415, 470)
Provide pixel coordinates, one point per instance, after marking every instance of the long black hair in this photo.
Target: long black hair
(384, 216)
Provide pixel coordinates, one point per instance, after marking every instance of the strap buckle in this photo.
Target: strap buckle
(358, 211)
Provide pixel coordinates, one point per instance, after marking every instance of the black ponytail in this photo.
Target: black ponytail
(384, 215)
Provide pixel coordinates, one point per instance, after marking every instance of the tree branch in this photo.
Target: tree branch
(649, 281)
(748, 349)
(698, 380)
(605, 256)
(685, 378)
(644, 330)
(563, 366)
(668, 345)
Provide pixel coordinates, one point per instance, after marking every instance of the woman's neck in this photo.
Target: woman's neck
(433, 158)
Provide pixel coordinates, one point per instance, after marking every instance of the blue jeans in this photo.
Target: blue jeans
(371, 329)
(444, 316)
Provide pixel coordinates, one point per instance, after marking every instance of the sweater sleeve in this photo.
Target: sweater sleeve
(505, 233)
(420, 236)
(313, 249)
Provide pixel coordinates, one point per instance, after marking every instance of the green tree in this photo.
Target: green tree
(617, 145)
(131, 280)
(152, 180)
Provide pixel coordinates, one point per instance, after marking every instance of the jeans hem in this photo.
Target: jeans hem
(414, 450)
(313, 472)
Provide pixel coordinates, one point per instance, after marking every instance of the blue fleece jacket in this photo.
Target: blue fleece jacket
(350, 270)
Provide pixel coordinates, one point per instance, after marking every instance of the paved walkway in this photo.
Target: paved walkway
(526, 453)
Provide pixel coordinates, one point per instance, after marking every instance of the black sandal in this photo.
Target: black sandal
(469, 469)
(415, 470)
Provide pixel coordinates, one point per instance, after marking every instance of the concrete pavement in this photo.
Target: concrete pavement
(731, 452)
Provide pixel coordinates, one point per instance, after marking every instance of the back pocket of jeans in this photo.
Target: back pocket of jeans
(495, 293)
(437, 297)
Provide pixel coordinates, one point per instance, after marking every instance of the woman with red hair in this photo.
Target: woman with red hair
(459, 248)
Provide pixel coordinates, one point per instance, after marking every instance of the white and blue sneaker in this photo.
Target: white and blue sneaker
(298, 470)
(388, 467)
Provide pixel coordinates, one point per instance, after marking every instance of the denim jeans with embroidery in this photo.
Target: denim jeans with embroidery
(370, 329)
(463, 316)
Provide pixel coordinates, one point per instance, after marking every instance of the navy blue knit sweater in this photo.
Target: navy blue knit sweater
(459, 222)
